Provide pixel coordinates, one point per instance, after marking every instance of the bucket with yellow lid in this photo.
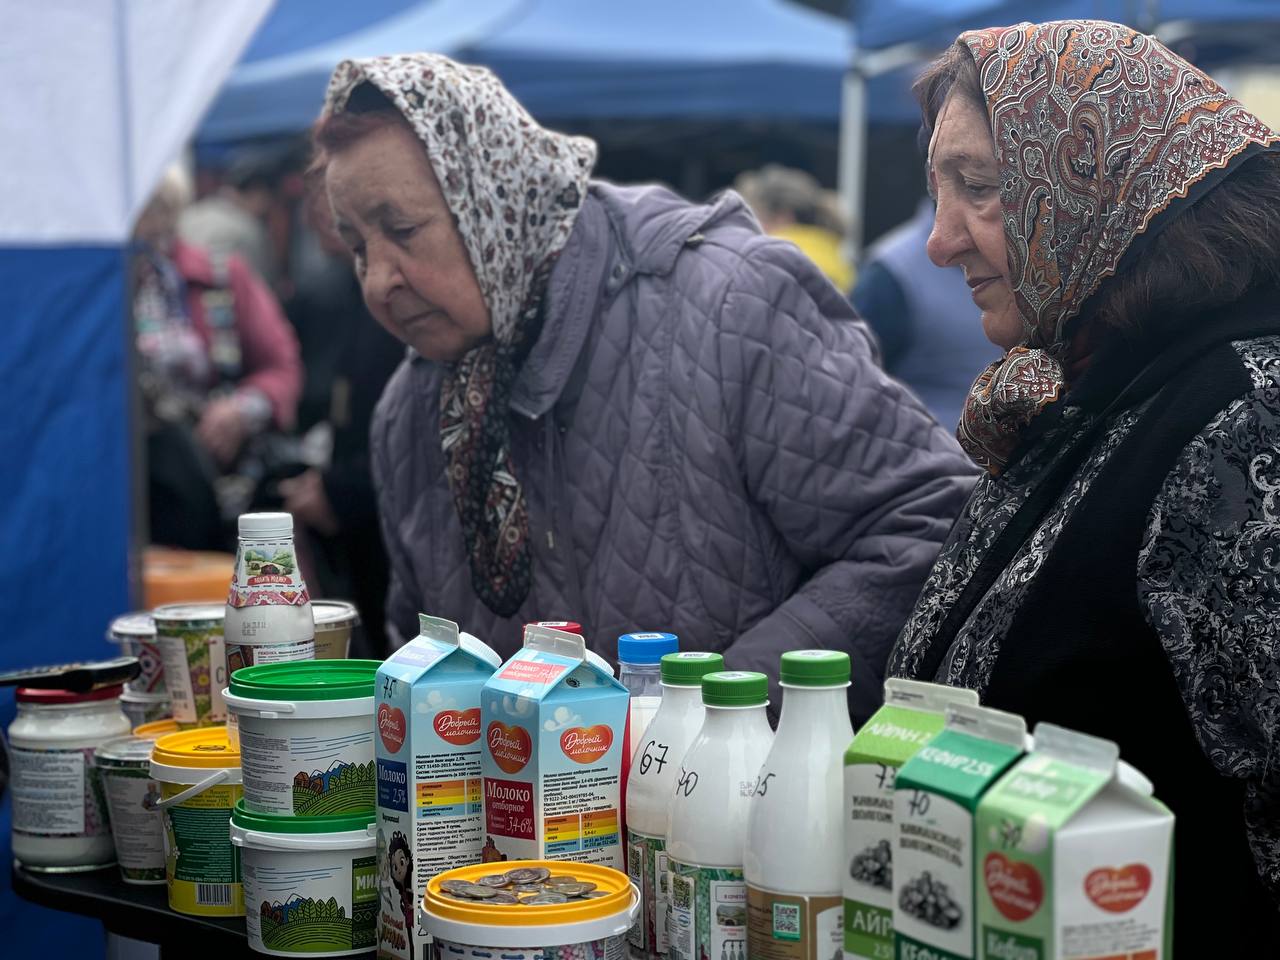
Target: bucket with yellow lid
(199, 776)
(157, 729)
(534, 910)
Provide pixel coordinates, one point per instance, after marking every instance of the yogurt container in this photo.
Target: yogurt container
(143, 708)
(136, 635)
(306, 736)
(124, 767)
(579, 929)
(157, 729)
(310, 883)
(189, 636)
(199, 776)
(59, 812)
(335, 619)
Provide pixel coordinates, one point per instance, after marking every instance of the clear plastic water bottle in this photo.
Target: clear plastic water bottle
(640, 670)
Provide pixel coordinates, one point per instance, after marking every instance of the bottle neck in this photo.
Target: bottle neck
(722, 721)
(810, 709)
(640, 669)
(681, 696)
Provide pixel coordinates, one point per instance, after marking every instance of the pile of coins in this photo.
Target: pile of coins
(530, 886)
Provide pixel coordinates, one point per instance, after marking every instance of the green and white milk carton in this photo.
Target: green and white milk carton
(935, 803)
(911, 715)
(1074, 857)
(430, 818)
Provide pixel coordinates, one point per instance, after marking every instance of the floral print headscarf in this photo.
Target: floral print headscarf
(515, 190)
(1098, 129)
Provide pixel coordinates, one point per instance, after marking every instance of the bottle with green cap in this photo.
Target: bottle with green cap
(794, 858)
(711, 799)
(654, 772)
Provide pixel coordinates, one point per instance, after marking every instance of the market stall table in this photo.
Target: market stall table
(140, 912)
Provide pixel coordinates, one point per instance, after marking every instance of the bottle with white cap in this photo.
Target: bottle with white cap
(654, 772)
(268, 615)
(794, 862)
(707, 837)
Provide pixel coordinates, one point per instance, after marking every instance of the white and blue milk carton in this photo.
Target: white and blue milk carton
(428, 749)
(555, 725)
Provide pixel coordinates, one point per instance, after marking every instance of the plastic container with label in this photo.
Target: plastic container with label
(60, 818)
(579, 929)
(310, 883)
(189, 636)
(306, 736)
(143, 708)
(794, 857)
(711, 799)
(654, 772)
(199, 776)
(124, 766)
(335, 620)
(136, 635)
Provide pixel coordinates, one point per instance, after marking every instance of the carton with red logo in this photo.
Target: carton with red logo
(555, 732)
(1074, 856)
(428, 758)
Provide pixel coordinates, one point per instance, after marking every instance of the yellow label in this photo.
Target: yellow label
(202, 866)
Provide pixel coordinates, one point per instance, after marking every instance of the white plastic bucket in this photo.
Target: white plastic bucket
(143, 708)
(335, 619)
(137, 828)
(306, 736)
(199, 777)
(310, 883)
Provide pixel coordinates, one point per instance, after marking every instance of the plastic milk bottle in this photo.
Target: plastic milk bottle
(794, 860)
(912, 714)
(654, 772)
(708, 832)
(268, 616)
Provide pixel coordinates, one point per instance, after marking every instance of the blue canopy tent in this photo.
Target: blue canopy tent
(727, 60)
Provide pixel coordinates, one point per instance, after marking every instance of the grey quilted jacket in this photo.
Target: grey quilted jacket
(708, 446)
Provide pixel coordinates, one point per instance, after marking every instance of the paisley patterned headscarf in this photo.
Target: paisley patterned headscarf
(515, 190)
(1097, 130)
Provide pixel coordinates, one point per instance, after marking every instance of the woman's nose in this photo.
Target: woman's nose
(381, 274)
(949, 238)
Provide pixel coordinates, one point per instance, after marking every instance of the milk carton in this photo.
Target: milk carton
(428, 757)
(554, 734)
(935, 799)
(1074, 856)
(911, 715)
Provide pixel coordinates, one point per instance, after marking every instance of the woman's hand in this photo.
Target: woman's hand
(305, 498)
(223, 430)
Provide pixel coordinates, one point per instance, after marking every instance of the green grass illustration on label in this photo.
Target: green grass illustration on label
(343, 788)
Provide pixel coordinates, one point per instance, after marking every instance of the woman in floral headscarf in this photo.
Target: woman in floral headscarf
(619, 408)
(1117, 216)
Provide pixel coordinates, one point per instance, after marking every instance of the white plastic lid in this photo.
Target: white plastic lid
(254, 525)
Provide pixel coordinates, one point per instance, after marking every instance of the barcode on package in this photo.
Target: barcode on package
(786, 921)
(213, 894)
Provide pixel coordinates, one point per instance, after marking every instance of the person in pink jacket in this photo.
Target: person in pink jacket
(218, 366)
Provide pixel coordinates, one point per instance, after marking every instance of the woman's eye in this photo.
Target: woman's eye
(402, 233)
(977, 189)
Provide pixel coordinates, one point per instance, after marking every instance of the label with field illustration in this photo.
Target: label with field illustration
(314, 902)
(708, 912)
(308, 776)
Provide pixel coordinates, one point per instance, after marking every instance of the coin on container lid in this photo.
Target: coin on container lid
(503, 897)
(595, 894)
(550, 896)
(528, 875)
(477, 892)
(574, 889)
(495, 880)
(560, 880)
(528, 888)
(455, 887)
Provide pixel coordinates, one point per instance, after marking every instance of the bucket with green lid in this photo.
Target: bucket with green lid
(310, 883)
(306, 736)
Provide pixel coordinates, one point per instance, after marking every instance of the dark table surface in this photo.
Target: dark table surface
(140, 912)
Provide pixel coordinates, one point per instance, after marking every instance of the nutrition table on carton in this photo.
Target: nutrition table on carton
(140, 912)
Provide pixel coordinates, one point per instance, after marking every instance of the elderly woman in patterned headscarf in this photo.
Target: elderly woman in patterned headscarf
(1117, 216)
(619, 408)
